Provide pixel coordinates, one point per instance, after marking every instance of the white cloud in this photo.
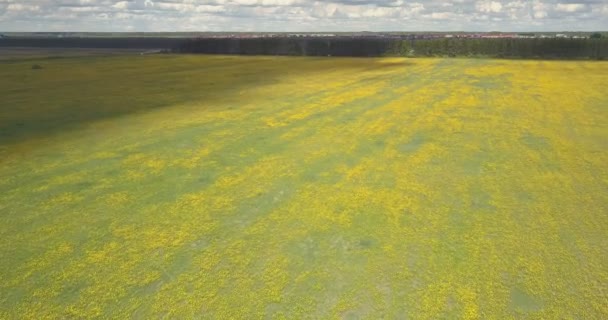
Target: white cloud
(570, 7)
(516, 5)
(488, 6)
(302, 15)
(121, 5)
(440, 15)
(539, 10)
(22, 7)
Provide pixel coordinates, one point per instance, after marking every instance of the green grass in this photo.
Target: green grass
(276, 187)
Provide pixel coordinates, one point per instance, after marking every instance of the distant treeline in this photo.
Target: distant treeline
(545, 48)
(349, 47)
(527, 48)
(159, 43)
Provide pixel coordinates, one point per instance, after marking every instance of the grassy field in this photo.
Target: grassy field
(274, 187)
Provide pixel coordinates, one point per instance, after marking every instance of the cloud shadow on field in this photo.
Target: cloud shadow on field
(72, 92)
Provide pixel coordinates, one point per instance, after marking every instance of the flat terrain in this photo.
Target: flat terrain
(252, 187)
(22, 53)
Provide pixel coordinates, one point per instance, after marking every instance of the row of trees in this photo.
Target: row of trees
(357, 47)
(546, 48)
(93, 43)
(551, 48)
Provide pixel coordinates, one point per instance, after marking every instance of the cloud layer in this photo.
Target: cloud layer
(302, 15)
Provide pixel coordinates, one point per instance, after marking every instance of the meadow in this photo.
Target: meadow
(226, 187)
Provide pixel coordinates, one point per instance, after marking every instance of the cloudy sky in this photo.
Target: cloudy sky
(302, 15)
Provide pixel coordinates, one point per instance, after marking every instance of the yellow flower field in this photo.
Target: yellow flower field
(223, 187)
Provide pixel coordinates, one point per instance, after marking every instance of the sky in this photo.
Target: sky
(302, 15)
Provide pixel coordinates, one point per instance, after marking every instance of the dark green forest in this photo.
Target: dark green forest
(593, 48)
(546, 48)
(535, 48)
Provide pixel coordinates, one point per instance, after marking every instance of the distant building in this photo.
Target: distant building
(526, 36)
(491, 36)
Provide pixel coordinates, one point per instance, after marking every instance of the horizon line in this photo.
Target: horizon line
(328, 31)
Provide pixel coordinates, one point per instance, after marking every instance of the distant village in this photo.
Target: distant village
(404, 36)
(381, 35)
